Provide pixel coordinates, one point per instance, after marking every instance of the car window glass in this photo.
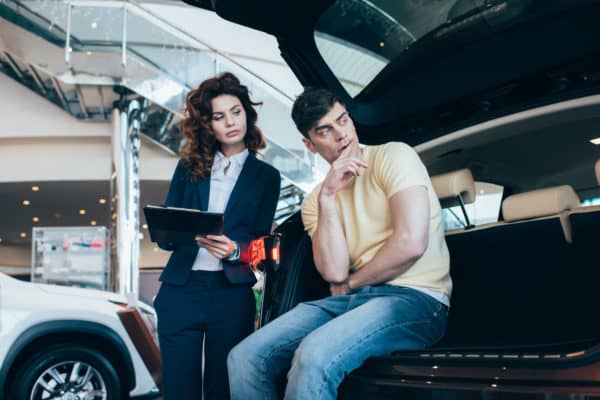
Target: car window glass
(485, 209)
(594, 201)
(358, 38)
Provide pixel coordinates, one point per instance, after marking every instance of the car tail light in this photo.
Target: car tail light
(264, 249)
(256, 252)
(275, 254)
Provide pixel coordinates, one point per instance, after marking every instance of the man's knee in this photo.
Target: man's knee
(240, 354)
(310, 355)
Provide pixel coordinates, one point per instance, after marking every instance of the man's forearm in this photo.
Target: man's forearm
(393, 259)
(329, 244)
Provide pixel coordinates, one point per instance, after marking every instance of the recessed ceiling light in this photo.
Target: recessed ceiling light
(595, 141)
(35, 188)
(35, 219)
(82, 212)
(88, 53)
(102, 201)
(26, 202)
(93, 223)
(145, 226)
(381, 44)
(23, 234)
(94, 25)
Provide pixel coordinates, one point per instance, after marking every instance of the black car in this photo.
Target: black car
(501, 98)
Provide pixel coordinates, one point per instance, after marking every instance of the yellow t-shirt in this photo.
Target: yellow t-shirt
(365, 215)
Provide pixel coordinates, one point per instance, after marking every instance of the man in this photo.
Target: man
(377, 238)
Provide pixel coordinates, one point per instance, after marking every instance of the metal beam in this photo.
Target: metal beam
(101, 93)
(60, 94)
(37, 80)
(11, 62)
(81, 101)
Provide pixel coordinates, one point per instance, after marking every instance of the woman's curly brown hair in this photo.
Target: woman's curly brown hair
(199, 151)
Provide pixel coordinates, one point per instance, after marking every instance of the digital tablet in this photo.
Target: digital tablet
(181, 225)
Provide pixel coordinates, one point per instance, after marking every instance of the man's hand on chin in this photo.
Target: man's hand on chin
(339, 289)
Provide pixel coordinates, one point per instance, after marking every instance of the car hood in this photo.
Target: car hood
(81, 292)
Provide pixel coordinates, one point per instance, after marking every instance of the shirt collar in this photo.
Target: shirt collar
(238, 159)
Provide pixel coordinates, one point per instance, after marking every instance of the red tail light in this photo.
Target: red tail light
(263, 249)
(256, 252)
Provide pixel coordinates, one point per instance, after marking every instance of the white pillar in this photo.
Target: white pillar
(125, 199)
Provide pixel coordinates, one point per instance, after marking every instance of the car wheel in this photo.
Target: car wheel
(66, 372)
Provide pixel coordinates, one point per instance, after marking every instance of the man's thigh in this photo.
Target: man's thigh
(283, 334)
(378, 324)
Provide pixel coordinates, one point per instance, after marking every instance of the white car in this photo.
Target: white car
(67, 343)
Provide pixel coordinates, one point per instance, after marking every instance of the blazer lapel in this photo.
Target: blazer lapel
(243, 186)
(204, 191)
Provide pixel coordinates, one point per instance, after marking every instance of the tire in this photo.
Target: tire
(80, 370)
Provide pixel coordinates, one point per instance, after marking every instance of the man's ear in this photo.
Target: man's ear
(309, 145)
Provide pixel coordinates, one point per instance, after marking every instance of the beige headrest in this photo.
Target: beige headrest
(540, 203)
(455, 183)
(598, 171)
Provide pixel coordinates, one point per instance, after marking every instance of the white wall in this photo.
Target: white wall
(73, 158)
(26, 114)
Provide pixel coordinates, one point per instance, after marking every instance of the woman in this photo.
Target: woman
(205, 301)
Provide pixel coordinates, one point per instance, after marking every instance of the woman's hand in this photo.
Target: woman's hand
(219, 246)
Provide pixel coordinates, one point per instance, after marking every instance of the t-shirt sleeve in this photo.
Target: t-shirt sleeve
(400, 167)
(310, 212)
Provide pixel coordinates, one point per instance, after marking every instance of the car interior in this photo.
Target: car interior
(524, 285)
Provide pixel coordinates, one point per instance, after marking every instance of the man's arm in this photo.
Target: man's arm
(410, 236)
(330, 250)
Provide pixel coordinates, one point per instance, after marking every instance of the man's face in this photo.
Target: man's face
(332, 134)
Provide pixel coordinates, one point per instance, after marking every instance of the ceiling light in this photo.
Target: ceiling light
(88, 53)
(23, 234)
(94, 24)
(595, 141)
(145, 226)
(155, 249)
(82, 212)
(26, 202)
(35, 219)
(35, 188)
(381, 44)
(102, 201)
(93, 223)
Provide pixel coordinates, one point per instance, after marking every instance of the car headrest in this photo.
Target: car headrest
(540, 203)
(450, 185)
(598, 171)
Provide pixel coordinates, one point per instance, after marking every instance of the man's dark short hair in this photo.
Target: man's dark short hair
(311, 106)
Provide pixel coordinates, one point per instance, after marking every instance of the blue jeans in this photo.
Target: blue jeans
(322, 341)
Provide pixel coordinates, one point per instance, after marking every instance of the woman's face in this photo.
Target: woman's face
(228, 123)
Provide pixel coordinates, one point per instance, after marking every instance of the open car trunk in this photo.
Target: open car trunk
(523, 308)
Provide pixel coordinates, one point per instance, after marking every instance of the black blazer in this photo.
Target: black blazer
(248, 215)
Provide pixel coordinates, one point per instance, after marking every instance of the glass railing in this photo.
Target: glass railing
(120, 43)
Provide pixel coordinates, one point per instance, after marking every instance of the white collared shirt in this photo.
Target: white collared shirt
(221, 186)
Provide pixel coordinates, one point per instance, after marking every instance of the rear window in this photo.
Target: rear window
(594, 201)
(358, 38)
(485, 209)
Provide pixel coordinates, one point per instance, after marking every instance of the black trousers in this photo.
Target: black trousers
(207, 308)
